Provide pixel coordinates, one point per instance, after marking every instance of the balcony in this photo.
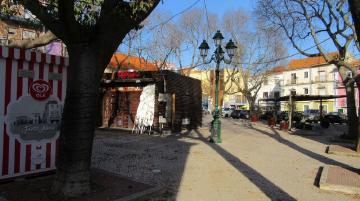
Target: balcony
(297, 81)
(314, 80)
(321, 79)
(291, 81)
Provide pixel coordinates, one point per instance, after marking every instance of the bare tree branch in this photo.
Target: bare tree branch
(41, 12)
(43, 40)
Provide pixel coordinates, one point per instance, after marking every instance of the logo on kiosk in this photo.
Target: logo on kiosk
(40, 90)
(35, 116)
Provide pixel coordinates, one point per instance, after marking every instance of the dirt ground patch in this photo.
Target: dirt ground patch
(105, 187)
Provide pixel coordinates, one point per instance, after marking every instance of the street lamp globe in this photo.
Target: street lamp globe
(230, 48)
(218, 37)
(204, 48)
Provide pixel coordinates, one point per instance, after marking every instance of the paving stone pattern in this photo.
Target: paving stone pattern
(254, 162)
(152, 160)
(341, 176)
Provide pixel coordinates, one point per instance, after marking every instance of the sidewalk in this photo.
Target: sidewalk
(255, 163)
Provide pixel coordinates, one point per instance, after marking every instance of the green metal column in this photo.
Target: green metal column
(216, 134)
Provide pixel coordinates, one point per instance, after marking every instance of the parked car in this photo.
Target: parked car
(334, 117)
(226, 112)
(312, 115)
(343, 117)
(244, 114)
(235, 114)
(284, 116)
(266, 115)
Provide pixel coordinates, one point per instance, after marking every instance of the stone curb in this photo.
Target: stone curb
(143, 194)
(323, 185)
(330, 150)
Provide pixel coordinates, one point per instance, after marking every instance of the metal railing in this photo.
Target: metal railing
(316, 79)
(321, 79)
(291, 81)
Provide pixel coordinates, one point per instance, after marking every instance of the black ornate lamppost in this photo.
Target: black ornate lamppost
(218, 56)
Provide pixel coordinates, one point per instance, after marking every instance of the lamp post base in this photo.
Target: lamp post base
(216, 130)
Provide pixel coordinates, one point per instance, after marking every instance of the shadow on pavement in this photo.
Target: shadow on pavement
(266, 186)
(152, 160)
(325, 136)
(328, 161)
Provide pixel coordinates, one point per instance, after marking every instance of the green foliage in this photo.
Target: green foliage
(7, 8)
(140, 6)
(86, 12)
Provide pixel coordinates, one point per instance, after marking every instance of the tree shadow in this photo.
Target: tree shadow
(325, 136)
(328, 161)
(154, 160)
(270, 189)
(140, 155)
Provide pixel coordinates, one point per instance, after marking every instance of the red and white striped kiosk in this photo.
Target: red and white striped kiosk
(32, 92)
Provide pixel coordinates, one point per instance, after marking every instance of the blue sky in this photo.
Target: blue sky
(215, 6)
(220, 7)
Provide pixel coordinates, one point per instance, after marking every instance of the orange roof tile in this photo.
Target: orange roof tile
(309, 62)
(131, 62)
(356, 63)
(277, 69)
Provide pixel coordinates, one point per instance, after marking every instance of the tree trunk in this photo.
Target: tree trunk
(355, 12)
(351, 112)
(291, 111)
(115, 107)
(251, 101)
(358, 138)
(78, 123)
(358, 123)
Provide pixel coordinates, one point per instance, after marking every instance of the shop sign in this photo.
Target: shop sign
(128, 75)
(26, 73)
(30, 119)
(40, 90)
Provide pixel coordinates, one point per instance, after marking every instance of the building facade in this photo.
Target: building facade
(229, 96)
(22, 26)
(272, 87)
(136, 94)
(307, 76)
(340, 90)
(318, 79)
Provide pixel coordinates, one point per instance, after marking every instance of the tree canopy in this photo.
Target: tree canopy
(92, 30)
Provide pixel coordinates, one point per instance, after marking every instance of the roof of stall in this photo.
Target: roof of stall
(126, 62)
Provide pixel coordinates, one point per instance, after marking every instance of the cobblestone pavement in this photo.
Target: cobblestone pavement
(254, 163)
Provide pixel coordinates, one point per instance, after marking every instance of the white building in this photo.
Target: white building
(307, 76)
(272, 87)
